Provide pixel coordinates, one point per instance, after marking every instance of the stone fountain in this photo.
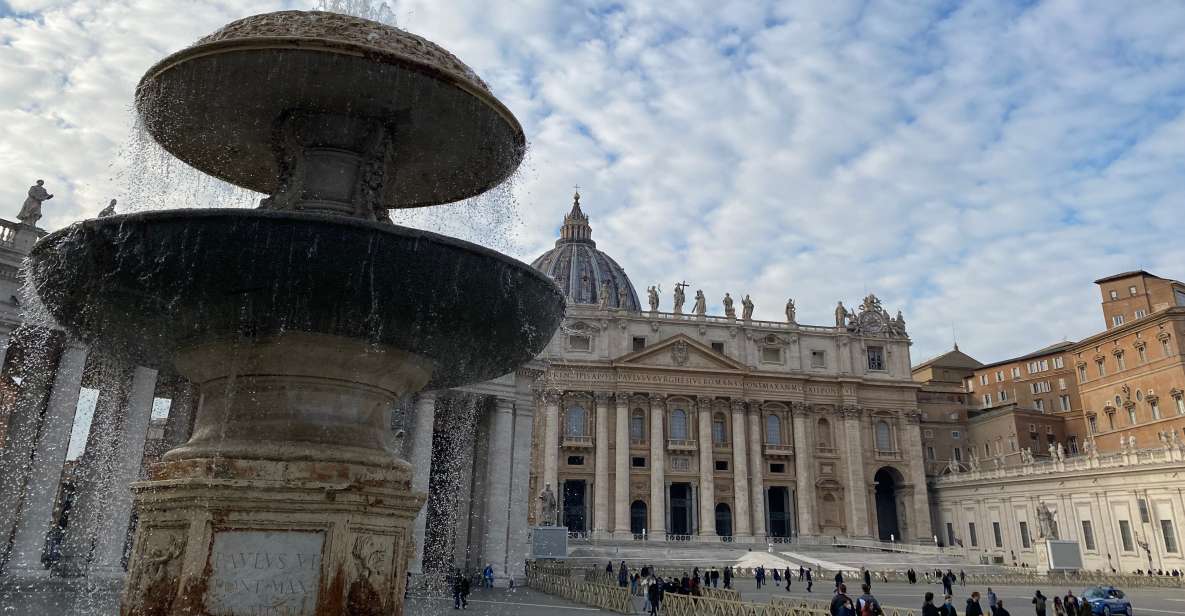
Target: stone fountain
(302, 321)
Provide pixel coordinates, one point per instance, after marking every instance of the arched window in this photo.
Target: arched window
(824, 433)
(679, 425)
(719, 430)
(773, 430)
(884, 436)
(638, 425)
(574, 426)
(637, 517)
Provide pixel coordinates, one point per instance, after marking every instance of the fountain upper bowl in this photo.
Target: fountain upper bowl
(217, 104)
(144, 285)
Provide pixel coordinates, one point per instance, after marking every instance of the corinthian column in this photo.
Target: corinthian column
(740, 473)
(621, 469)
(601, 481)
(707, 485)
(421, 464)
(551, 442)
(917, 476)
(658, 500)
(804, 469)
(857, 489)
(757, 468)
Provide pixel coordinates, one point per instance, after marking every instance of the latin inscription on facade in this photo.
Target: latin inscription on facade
(264, 573)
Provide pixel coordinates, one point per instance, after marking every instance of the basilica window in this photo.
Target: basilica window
(1131, 415)
(638, 426)
(1082, 374)
(580, 343)
(719, 430)
(1101, 367)
(824, 433)
(771, 355)
(884, 436)
(1142, 351)
(876, 358)
(575, 421)
(818, 359)
(773, 430)
(679, 425)
(1164, 346)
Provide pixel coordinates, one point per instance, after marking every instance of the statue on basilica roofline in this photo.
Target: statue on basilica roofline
(623, 301)
(790, 310)
(729, 311)
(747, 308)
(108, 211)
(701, 303)
(841, 315)
(603, 295)
(680, 297)
(652, 296)
(31, 209)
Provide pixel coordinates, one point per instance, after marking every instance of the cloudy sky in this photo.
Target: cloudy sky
(975, 164)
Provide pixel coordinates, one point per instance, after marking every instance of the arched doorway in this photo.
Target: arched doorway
(723, 520)
(780, 516)
(637, 517)
(888, 485)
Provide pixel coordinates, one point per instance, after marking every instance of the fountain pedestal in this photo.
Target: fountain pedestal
(286, 499)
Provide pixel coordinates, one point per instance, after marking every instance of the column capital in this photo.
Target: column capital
(851, 412)
(602, 397)
(801, 407)
(504, 405)
(738, 406)
(552, 396)
(754, 405)
(705, 402)
(658, 399)
(622, 398)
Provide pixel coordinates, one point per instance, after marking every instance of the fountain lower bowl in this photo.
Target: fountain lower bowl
(147, 284)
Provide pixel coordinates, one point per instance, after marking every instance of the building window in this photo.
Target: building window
(1131, 415)
(1081, 374)
(1073, 444)
(1093, 422)
(1025, 541)
(638, 462)
(1016, 372)
(777, 468)
(929, 452)
(958, 454)
(1102, 368)
(1059, 362)
(575, 460)
(997, 535)
(1111, 419)
(1143, 507)
(876, 358)
(999, 376)
(1141, 313)
(1003, 395)
(956, 434)
(721, 465)
(987, 450)
(575, 424)
(1142, 354)
(773, 430)
(983, 380)
(971, 534)
(818, 359)
(823, 433)
(1061, 383)
(1170, 536)
(579, 343)
(1132, 290)
(639, 343)
(1063, 403)
(1114, 294)
(987, 399)
(1120, 363)
(950, 533)
(719, 430)
(1164, 346)
(771, 355)
(638, 425)
(1039, 404)
(1117, 320)
(1154, 406)
(680, 463)
(884, 436)
(679, 425)
(1180, 402)
(1087, 535)
(1125, 533)
(718, 347)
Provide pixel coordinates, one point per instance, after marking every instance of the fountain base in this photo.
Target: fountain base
(287, 500)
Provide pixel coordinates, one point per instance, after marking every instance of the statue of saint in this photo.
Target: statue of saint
(973, 461)
(1061, 453)
(841, 315)
(853, 321)
(547, 498)
(623, 298)
(790, 310)
(652, 295)
(31, 209)
(701, 303)
(1045, 521)
(1052, 451)
(108, 211)
(747, 308)
(679, 297)
(603, 295)
(729, 311)
(1131, 442)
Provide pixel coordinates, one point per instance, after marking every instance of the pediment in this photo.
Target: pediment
(680, 351)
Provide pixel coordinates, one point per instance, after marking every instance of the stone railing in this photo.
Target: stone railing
(779, 449)
(8, 232)
(897, 546)
(577, 442)
(1156, 455)
(681, 444)
(603, 596)
(681, 538)
(707, 318)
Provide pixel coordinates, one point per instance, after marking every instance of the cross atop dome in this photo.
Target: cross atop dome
(576, 227)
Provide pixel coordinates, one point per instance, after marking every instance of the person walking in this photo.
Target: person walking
(1039, 603)
(867, 576)
(838, 579)
(810, 582)
(789, 576)
(962, 578)
(460, 591)
(992, 600)
(1070, 602)
(623, 575)
(928, 608)
(777, 577)
(715, 577)
(655, 596)
(839, 599)
(1058, 608)
(867, 605)
(999, 609)
(644, 590)
(728, 576)
(487, 576)
(948, 607)
(973, 608)
(609, 568)
(948, 580)
(1085, 609)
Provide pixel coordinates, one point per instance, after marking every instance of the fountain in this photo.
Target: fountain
(303, 321)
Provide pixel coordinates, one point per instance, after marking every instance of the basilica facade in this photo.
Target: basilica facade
(683, 426)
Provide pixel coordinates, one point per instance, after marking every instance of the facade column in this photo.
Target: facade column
(740, 473)
(551, 446)
(5, 339)
(421, 468)
(854, 461)
(707, 484)
(917, 476)
(498, 470)
(757, 470)
(804, 469)
(111, 533)
(621, 469)
(658, 497)
(601, 500)
(49, 457)
(520, 494)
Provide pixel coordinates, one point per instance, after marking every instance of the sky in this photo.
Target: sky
(976, 165)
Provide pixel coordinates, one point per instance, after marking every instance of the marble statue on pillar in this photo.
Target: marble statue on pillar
(747, 308)
(701, 303)
(1052, 451)
(680, 297)
(841, 315)
(1131, 442)
(547, 498)
(790, 310)
(1048, 526)
(31, 209)
(108, 211)
(652, 296)
(729, 311)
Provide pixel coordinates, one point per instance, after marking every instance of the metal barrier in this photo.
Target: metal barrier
(725, 594)
(611, 598)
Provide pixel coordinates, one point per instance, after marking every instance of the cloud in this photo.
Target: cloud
(975, 164)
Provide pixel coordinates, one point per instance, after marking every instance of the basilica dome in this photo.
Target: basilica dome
(580, 269)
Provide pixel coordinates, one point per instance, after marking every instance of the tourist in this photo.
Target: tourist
(800, 573)
(715, 577)
(634, 584)
(623, 575)
(838, 579)
(694, 590)
(487, 576)
(912, 576)
(684, 584)
(759, 576)
(999, 609)
(867, 604)
(962, 578)
(609, 568)
(460, 590)
(654, 598)
(644, 589)
(840, 601)
(1085, 608)
(948, 582)
(707, 579)
(992, 600)
(789, 576)
(728, 576)
(810, 582)
(973, 608)
(1058, 609)
(928, 608)
(777, 577)
(948, 607)
(1070, 602)
(1039, 603)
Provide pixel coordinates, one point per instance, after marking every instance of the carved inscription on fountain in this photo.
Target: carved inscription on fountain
(264, 573)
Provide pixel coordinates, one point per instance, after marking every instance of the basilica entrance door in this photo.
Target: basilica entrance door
(888, 482)
(680, 499)
(780, 524)
(574, 506)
